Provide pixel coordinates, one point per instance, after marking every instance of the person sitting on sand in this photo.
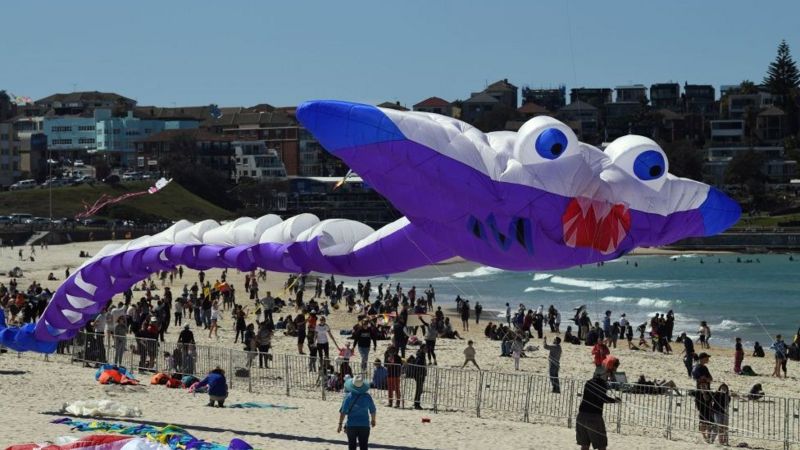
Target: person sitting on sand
(758, 350)
(217, 387)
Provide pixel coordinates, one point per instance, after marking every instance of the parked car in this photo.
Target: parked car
(131, 176)
(22, 185)
(20, 217)
(78, 163)
(56, 182)
(37, 221)
(95, 222)
(6, 220)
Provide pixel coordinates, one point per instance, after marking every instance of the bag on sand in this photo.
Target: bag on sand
(159, 378)
(748, 371)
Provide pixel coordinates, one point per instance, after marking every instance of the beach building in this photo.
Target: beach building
(551, 99)
(665, 96)
(254, 160)
(435, 105)
(102, 135)
(9, 155)
(197, 145)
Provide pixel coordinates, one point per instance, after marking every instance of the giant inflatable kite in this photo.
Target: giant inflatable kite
(531, 200)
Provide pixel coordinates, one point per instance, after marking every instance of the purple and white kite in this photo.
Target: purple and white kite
(531, 200)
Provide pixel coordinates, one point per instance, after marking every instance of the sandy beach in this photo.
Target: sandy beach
(43, 386)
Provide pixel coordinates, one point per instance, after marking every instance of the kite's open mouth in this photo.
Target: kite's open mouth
(595, 224)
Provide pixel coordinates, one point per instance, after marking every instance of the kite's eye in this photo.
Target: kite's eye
(551, 143)
(544, 139)
(649, 165)
(641, 158)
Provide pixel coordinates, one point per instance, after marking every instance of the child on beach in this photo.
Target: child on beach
(469, 355)
(516, 350)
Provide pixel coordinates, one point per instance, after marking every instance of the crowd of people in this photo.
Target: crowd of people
(386, 312)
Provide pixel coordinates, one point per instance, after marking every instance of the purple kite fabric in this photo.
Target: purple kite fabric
(529, 200)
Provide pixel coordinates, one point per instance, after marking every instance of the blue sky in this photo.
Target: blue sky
(282, 53)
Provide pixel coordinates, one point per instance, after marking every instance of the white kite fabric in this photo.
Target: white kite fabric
(100, 408)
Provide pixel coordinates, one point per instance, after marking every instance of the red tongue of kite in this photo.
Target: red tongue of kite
(595, 224)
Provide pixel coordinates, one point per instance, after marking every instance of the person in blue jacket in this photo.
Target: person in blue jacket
(217, 387)
(357, 407)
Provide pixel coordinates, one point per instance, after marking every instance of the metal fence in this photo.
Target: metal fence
(513, 396)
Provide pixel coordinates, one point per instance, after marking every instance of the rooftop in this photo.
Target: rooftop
(86, 96)
(481, 97)
(500, 85)
(393, 105)
(433, 102)
(772, 111)
(533, 108)
(578, 106)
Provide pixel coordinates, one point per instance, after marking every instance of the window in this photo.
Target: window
(116, 130)
(86, 128)
(86, 141)
(62, 141)
(60, 129)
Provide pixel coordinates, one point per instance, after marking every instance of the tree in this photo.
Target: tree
(782, 74)
(685, 159)
(747, 87)
(782, 80)
(745, 168)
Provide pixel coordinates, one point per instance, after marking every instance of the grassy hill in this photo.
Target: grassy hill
(172, 203)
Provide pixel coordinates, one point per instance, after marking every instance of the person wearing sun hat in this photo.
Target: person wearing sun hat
(590, 428)
(357, 406)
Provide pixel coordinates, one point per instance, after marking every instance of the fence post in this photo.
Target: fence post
(322, 378)
(571, 396)
(669, 416)
(480, 394)
(786, 423)
(286, 372)
(619, 416)
(230, 368)
(157, 355)
(436, 391)
(528, 398)
(250, 379)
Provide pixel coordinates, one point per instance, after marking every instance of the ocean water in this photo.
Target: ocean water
(753, 300)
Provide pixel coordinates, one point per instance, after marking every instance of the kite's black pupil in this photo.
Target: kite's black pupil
(556, 149)
(655, 171)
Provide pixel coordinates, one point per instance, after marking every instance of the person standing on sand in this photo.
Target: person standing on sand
(516, 349)
(357, 406)
(465, 315)
(590, 428)
(469, 355)
(508, 314)
(779, 347)
(478, 311)
(700, 372)
(689, 355)
(705, 334)
(738, 357)
(600, 351)
(394, 367)
(554, 362)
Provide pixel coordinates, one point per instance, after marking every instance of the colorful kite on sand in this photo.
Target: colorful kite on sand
(130, 437)
(536, 199)
(105, 200)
